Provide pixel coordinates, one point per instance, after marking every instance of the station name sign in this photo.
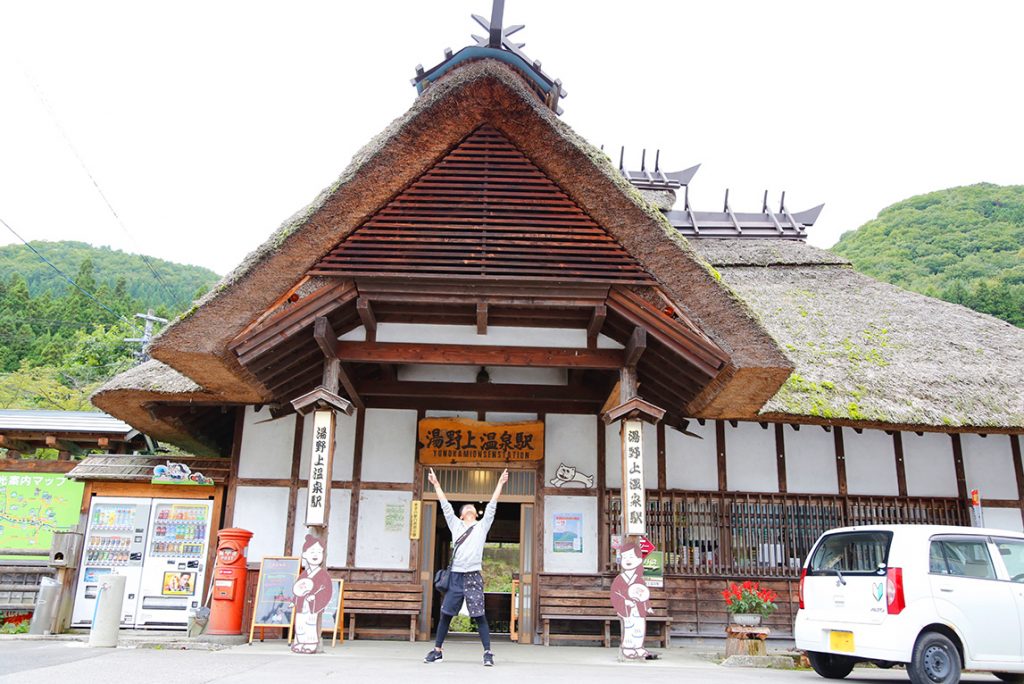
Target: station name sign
(461, 440)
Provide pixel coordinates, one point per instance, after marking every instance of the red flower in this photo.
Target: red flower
(749, 585)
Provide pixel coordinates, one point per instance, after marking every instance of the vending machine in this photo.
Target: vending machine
(115, 543)
(175, 562)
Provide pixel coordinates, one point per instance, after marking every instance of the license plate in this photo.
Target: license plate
(841, 641)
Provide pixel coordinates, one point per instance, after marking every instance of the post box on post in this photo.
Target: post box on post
(228, 583)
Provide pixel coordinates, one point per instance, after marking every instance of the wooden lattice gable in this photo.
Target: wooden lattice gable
(485, 211)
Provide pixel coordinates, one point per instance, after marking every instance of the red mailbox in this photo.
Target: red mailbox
(228, 582)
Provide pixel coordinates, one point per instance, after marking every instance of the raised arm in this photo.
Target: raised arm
(446, 508)
(432, 479)
(501, 484)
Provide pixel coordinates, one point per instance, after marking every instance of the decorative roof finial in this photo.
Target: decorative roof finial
(497, 44)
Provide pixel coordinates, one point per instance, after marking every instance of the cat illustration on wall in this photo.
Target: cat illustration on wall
(567, 476)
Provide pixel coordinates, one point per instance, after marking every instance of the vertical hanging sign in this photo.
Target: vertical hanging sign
(634, 511)
(320, 468)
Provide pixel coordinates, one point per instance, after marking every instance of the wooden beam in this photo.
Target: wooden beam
(595, 325)
(365, 312)
(334, 370)
(481, 318)
(12, 444)
(53, 442)
(478, 355)
(325, 337)
(636, 346)
(477, 391)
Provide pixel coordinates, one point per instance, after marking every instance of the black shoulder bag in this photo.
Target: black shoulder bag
(443, 578)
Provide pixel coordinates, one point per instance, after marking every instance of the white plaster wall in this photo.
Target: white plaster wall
(497, 417)
(500, 375)
(574, 563)
(264, 512)
(750, 463)
(389, 445)
(450, 414)
(810, 460)
(613, 456)
(466, 334)
(376, 547)
(928, 460)
(266, 450)
(1002, 518)
(691, 463)
(870, 463)
(572, 440)
(337, 529)
(988, 464)
(426, 372)
(344, 446)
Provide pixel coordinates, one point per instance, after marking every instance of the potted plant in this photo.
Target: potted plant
(748, 603)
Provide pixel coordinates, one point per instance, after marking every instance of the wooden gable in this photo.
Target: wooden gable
(483, 212)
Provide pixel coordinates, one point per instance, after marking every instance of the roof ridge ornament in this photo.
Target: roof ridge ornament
(497, 44)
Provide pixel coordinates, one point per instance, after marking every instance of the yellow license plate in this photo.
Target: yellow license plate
(841, 641)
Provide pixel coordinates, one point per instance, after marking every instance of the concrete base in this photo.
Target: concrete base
(775, 662)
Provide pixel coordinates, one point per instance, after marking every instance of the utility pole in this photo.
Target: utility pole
(147, 335)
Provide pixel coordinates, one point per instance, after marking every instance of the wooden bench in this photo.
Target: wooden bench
(383, 599)
(595, 606)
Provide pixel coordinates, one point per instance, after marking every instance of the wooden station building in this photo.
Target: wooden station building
(480, 260)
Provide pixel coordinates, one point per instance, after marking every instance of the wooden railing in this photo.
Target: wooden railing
(762, 535)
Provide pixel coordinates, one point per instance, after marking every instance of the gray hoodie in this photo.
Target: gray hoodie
(470, 554)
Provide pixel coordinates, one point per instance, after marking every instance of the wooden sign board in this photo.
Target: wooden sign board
(334, 613)
(273, 606)
(445, 441)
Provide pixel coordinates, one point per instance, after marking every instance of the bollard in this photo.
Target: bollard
(47, 602)
(106, 619)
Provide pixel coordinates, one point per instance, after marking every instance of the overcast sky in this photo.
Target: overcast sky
(207, 123)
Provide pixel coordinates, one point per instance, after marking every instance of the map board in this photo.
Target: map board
(35, 505)
(273, 606)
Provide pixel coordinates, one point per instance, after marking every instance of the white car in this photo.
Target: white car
(938, 599)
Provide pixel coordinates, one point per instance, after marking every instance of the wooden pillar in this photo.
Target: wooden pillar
(837, 436)
(1018, 469)
(603, 541)
(901, 468)
(723, 481)
(961, 474)
(357, 486)
(780, 456)
(662, 459)
(236, 455)
(293, 489)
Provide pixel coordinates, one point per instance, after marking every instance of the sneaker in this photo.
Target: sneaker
(488, 659)
(433, 656)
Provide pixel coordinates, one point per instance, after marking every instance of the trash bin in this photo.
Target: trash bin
(47, 602)
(106, 620)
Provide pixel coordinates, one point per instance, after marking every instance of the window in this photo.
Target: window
(961, 557)
(865, 553)
(1012, 551)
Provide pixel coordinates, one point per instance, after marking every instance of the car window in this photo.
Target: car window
(962, 558)
(851, 553)
(1012, 551)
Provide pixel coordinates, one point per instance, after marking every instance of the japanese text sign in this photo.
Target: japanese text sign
(322, 452)
(460, 440)
(634, 510)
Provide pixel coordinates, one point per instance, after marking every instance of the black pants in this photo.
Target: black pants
(481, 625)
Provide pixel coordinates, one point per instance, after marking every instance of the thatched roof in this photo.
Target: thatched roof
(867, 351)
(482, 92)
(129, 395)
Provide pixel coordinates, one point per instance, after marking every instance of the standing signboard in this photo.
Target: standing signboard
(273, 605)
(334, 613)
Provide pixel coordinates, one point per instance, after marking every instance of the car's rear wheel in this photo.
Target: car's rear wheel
(935, 660)
(830, 666)
(1009, 676)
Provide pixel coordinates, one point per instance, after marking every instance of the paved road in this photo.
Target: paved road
(62, 662)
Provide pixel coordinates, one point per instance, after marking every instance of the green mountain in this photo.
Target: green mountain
(57, 344)
(175, 288)
(964, 245)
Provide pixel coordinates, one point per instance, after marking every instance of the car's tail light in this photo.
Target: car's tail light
(895, 601)
(803, 576)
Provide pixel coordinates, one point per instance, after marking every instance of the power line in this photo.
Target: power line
(62, 274)
(99, 190)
